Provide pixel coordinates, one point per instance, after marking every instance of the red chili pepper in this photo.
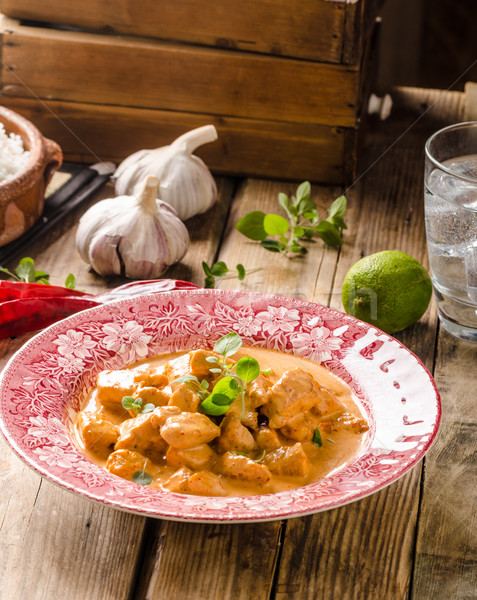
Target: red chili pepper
(29, 314)
(11, 290)
(30, 306)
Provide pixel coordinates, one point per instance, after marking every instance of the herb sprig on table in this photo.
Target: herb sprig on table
(219, 270)
(233, 379)
(25, 271)
(302, 222)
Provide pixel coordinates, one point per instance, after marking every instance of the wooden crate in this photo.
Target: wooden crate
(103, 96)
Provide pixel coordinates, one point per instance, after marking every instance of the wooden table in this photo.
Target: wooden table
(415, 539)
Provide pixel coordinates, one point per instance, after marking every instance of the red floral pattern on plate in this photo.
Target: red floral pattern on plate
(46, 381)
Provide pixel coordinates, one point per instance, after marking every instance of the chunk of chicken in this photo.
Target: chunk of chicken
(178, 482)
(199, 365)
(328, 405)
(184, 398)
(242, 467)
(98, 434)
(192, 363)
(188, 430)
(124, 463)
(150, 375)
(205, 483)
(199, 458)
(142, 433)
(259, 391)
(291, 461)
(178, 367)
(234, 436)
(202, 483)
(300, 428)
(352, 423)
(267, 439)
(152, 395)
(295, 392)
(243, 411)
(114, 385)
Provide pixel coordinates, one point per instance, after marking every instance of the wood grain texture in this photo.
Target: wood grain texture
(251, 147)
(360, 551)
(209, 562)
(316, 31)
(470, 103)
(446, 559)
(87, 67)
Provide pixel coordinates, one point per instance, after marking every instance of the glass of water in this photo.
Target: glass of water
(451, 225)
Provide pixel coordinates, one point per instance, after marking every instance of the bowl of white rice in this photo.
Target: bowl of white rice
(27, 162)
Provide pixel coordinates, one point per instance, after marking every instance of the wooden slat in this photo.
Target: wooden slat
(315, 31)
(446, 561)
(470, 104)
(210, 562)
(256, 148)
(137, 72)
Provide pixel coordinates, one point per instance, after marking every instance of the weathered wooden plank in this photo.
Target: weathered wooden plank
(291, 151)
(446, 551)
(197, 561)
(87, 67)
(315, 32)
(363, 550)
(470, 103)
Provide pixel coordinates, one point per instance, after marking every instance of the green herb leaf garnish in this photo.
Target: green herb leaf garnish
(141, 477)
(228, 344)
(317, 438)
(130, 403)
(247, 369)
(232, 378)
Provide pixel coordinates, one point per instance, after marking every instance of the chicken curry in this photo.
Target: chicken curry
(206, 423)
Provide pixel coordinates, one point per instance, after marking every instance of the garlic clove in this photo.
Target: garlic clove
(139, 237)
(186, 182)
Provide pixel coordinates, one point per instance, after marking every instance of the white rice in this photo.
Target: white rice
(13, 156)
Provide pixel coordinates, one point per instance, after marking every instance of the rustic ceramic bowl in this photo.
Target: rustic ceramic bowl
(22, 198)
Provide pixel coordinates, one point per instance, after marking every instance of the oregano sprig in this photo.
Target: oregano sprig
(302, 222)
(233, 379)
(141, 477)
(135, 404)
(25, 271)
(219, 270)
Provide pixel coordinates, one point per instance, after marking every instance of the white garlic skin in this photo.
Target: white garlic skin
(136, 237)
(186, 182)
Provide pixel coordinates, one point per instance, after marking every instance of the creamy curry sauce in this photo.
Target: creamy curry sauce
(267, 448)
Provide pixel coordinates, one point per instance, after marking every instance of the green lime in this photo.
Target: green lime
(389, 289)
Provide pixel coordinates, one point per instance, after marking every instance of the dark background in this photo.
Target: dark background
(427, 43)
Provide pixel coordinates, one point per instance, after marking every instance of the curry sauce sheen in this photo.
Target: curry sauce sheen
(296, 424)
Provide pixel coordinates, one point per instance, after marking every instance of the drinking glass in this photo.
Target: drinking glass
(451, 225)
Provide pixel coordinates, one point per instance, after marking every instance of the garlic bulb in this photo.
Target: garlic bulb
(186, 182)
(138, 237)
